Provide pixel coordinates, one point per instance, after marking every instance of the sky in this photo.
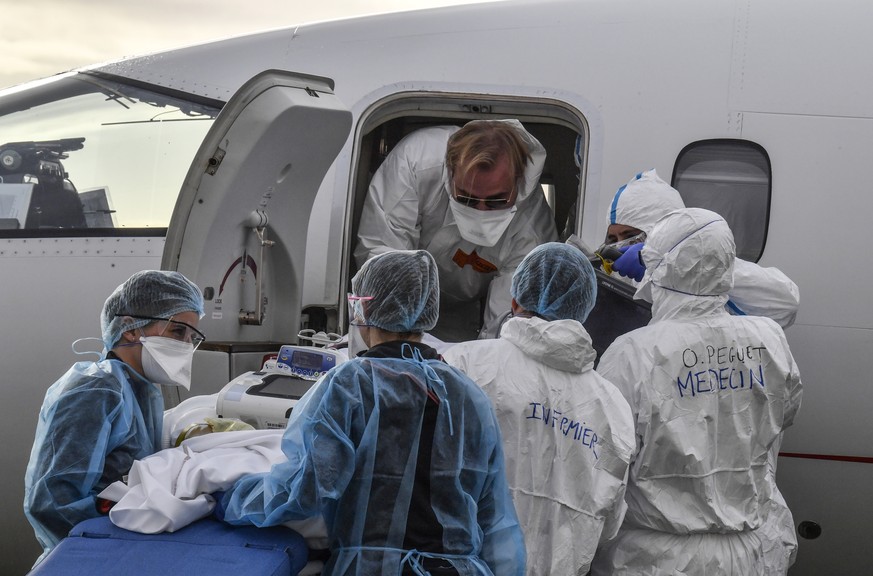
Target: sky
(39, 38)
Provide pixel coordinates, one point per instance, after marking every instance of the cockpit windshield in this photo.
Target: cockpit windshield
(91, 154)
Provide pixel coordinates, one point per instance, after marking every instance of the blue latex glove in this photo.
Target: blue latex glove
(629, 264)
(218, 511)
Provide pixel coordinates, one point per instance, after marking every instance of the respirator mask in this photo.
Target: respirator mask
(167, 361)
(357, 325)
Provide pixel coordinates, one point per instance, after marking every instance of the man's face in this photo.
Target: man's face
(618, 232)
(490, 189)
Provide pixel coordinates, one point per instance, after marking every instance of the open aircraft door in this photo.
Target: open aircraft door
(239, 228)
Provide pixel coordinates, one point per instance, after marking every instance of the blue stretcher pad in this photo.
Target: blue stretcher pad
(97, 546)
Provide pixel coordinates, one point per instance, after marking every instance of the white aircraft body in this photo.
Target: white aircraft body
(198, 159)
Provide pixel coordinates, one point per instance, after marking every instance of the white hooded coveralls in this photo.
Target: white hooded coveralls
(710, 395)
(407, 207)
(757, 291)
(567, 437)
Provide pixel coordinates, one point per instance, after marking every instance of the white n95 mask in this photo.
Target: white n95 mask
(481, 227)
(167, 361)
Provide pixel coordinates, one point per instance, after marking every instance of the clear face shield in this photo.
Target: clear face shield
(358, 327)
(175, 329)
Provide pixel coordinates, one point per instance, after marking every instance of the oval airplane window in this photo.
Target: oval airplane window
(89, 156)
(734, 179)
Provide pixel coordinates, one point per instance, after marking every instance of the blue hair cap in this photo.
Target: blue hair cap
(556, 282)
(402, 288)
(149, 293)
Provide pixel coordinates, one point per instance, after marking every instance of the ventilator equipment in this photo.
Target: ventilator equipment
(262, 399)
(265, 398)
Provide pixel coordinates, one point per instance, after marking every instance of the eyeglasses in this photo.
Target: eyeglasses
(473, 202)
(493, 203)
(175, 329)
(356, 309)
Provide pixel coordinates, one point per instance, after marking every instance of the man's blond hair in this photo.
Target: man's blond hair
(481, 143)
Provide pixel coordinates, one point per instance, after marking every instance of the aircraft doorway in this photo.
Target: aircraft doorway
(561, 130)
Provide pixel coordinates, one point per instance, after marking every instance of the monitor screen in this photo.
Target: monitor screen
(282, 386)
(306, 360)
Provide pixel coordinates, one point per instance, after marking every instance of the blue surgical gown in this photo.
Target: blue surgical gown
(403, 459)
(94, 422)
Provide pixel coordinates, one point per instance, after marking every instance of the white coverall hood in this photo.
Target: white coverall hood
(561, 344)
(643, 201)
(757, 291)
(689, 252)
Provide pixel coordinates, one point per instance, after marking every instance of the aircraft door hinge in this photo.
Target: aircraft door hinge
(215, 161)
(258, 221)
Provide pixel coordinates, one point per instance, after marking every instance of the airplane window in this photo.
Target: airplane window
(86, 153)
(734, 179)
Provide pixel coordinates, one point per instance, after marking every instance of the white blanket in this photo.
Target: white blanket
(171, 489)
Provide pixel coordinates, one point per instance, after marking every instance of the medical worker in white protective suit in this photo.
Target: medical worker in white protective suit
(757, 291)
(568, 435)
(101, 416)
(398, 451)
(710, 395)
(636, 206)
(471, 197)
